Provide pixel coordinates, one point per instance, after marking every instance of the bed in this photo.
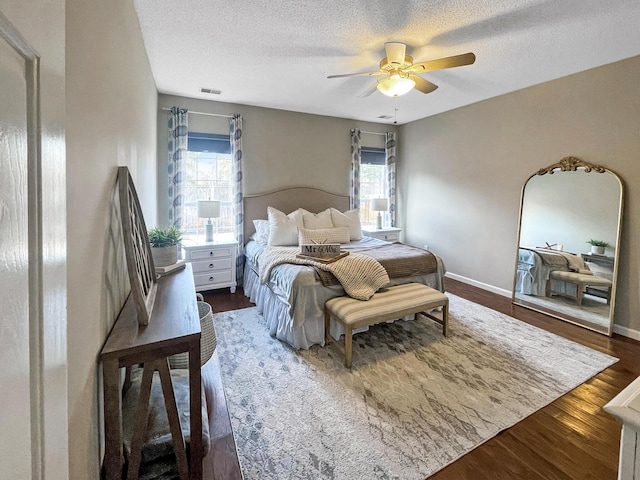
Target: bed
(292, 298)
(536, 264)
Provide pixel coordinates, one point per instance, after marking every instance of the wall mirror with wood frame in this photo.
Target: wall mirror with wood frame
(568, 243)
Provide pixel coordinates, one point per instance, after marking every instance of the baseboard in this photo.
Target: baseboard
(620, 330)
(626, 332)
(475, 283)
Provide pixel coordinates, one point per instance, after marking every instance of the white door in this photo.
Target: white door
(29, 446)
(14, 267)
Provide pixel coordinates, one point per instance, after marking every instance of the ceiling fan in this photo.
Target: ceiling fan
(400, 73)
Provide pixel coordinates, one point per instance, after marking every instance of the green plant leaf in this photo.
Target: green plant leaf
(164, 236)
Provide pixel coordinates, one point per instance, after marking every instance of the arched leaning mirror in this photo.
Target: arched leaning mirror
(568, 243)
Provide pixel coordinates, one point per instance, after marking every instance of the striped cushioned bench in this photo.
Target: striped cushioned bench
(581, 281)
(387, 304)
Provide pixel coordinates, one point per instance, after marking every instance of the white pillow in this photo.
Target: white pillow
(283, 229)
(323, 235)
(317, 220)
(262, 231)
(351, 219)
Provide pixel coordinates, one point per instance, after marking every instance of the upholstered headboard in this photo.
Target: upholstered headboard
(287, 200)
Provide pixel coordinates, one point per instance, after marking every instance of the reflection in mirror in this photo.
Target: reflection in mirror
(568, 243)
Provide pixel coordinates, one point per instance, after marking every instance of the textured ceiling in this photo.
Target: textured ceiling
(278, 54)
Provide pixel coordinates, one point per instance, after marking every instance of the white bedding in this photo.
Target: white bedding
(292, 301)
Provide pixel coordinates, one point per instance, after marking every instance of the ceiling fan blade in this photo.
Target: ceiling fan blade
(395, 53)
(369, 90)
(442, 63)
(378, 72)
(422, 85)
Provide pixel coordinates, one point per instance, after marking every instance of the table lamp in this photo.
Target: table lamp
(208, 209)
(379, 205)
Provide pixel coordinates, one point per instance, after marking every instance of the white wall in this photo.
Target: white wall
(111, 121)
(461, 172)
(280, 148)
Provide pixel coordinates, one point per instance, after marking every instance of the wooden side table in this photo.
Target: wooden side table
(174, 327)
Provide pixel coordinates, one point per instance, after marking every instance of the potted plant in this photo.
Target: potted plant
(164, 245)
(598, 246)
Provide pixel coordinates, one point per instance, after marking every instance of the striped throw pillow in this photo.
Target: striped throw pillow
(323, 235)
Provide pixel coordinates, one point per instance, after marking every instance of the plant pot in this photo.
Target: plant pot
(597, 250)
(164, 256)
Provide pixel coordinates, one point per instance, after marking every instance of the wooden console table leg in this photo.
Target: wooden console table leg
(174, 419)
(112, 422)
(195, 410)
(142, 419)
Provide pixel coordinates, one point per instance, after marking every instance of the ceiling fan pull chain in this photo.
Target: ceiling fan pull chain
(395, 113)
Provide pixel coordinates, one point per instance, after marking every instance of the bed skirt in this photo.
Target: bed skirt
(303, 326)
(277, 315)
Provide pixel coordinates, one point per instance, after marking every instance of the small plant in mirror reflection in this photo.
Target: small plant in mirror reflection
(598, 243)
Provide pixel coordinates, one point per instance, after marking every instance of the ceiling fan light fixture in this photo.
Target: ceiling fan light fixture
(395, 85)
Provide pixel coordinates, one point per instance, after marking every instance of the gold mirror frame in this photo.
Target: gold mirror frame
(573, 164)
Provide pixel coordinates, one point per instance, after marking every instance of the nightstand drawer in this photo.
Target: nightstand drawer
(389, 234)
(389, 237)
(209, 278)
(214, 264)
(201, 254)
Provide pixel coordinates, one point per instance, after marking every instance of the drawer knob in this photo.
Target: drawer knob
(211, 254)
(211, 265)
(211, 279)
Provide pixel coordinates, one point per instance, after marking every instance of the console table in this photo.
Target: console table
(601, 260)
(174, 327)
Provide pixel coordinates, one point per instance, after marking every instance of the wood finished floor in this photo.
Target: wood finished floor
(570, 439)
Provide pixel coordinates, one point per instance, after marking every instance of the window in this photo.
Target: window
(373, 182)
(209, 176)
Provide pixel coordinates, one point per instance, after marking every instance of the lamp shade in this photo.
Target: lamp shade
(395, 85)
(379, 204)
(208, 209)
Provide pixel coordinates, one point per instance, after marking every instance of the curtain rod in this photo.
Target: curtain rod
(203, 113)
(372, 133)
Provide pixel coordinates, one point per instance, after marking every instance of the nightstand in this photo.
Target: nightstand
(389, 234)
(213, 263)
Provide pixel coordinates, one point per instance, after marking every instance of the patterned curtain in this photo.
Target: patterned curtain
(356, 151)
(390, 160)
(235, 135)
(178, 129)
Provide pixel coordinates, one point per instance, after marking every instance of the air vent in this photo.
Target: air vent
(211, 91)
(385, 117)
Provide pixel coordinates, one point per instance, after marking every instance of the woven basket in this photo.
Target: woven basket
(207, 339)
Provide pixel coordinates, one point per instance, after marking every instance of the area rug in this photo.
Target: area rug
(412, 403)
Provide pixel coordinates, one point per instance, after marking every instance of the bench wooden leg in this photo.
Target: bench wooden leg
(348, 344)
(579, 293)
(327, 318)
(445, 319)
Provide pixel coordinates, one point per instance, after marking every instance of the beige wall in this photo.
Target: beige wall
(280, 148)
(111, 121)
(461, 172)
